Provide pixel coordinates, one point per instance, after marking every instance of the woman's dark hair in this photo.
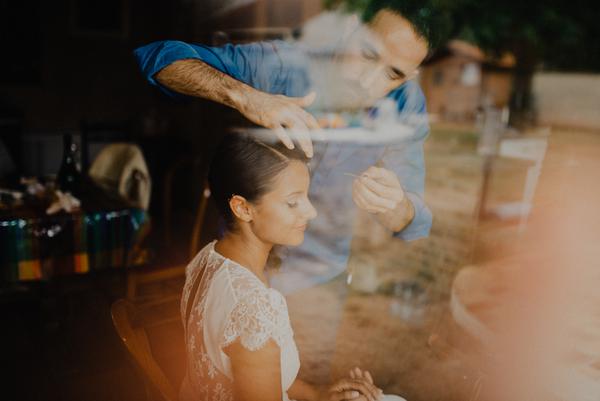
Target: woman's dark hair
(245, 166)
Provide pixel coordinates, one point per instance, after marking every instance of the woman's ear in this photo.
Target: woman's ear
(240, 208)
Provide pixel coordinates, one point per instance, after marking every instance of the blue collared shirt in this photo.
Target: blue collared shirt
(281, 68)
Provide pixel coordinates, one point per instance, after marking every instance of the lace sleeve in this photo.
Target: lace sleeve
(257, 317)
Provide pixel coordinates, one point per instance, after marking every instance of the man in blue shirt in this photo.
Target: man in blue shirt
(273, 84)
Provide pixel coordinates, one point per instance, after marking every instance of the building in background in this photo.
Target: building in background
(460, 79)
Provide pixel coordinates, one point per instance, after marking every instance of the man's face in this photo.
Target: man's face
(380, 56)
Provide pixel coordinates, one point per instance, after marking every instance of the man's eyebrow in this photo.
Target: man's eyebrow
(371, 48)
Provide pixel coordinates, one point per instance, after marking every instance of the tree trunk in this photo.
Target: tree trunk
(522, 105)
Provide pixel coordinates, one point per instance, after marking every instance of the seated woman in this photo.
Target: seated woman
(239, 341)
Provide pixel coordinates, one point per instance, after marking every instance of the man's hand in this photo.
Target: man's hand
(284, 115)
(378, 191)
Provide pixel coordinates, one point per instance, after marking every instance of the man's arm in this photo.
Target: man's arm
(196, 78)
(393, 191)
(223, 75)
(407, 160)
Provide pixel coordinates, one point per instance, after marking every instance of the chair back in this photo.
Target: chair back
(199, 221)
(131, 331)
(120, 168)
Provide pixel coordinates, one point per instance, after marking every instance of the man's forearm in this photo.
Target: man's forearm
(196, 78)
(398, 219)
(193, 77)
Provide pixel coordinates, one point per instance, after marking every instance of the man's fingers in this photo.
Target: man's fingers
(394, 194)
(312, 124)
(305, 142)
(373, 199)
(310, 120)
(363, 204)
(307, 100)
(283, 136)
(383, 175)
(300, 132)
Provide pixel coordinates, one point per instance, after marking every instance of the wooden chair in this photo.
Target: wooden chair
(129, 326)
(189, 168)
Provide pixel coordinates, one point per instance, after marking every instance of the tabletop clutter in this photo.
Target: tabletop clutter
(66, 224)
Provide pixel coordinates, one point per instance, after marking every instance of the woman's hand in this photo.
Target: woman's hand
(357, 373)
(355, 389)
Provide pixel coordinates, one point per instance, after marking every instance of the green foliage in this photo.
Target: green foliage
(432, 19)
(562, 34)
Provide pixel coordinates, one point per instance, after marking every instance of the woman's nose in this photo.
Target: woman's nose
(311, 212)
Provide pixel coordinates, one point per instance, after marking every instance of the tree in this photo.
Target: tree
(553, 34)
(538, 33)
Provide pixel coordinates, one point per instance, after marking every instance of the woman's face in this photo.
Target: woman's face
(281, 215)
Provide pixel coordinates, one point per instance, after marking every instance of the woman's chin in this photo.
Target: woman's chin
(294, 240)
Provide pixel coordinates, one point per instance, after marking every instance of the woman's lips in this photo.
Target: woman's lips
(302, 227)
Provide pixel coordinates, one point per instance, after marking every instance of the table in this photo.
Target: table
(102, 235)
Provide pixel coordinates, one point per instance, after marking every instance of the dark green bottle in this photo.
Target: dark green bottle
(69, 177)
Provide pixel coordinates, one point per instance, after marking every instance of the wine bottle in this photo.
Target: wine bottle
(69, 178)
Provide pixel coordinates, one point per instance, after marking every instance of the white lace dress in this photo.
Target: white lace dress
(230, 303)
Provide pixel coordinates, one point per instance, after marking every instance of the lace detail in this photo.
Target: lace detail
(257, 314)
(206, 379)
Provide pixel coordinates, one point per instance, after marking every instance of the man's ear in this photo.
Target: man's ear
(240, 208)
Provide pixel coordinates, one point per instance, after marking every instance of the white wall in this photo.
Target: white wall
(568, 99)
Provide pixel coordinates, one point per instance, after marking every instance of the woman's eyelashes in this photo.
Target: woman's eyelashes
(292, 204)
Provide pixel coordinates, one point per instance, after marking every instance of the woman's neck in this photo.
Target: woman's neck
(251, 253)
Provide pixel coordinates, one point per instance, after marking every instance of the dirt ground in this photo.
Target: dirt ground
(401, 329)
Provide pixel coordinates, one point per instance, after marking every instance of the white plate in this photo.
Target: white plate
(361, 135)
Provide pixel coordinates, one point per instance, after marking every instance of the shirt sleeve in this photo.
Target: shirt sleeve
(406, 158)
(266, 66)
(257, 317)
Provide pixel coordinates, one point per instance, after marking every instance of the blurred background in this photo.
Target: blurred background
(512, 173)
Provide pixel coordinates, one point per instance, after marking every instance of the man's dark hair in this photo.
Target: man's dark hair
(431, 19)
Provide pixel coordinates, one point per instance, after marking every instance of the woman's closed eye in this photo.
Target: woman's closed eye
(292, 204)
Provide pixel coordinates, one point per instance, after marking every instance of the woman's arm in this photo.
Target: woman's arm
(256, 374)
(303, 391)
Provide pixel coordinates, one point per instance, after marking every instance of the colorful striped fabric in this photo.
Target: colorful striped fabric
(42, 247)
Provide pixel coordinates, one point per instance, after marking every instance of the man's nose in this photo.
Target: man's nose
(369, 77)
